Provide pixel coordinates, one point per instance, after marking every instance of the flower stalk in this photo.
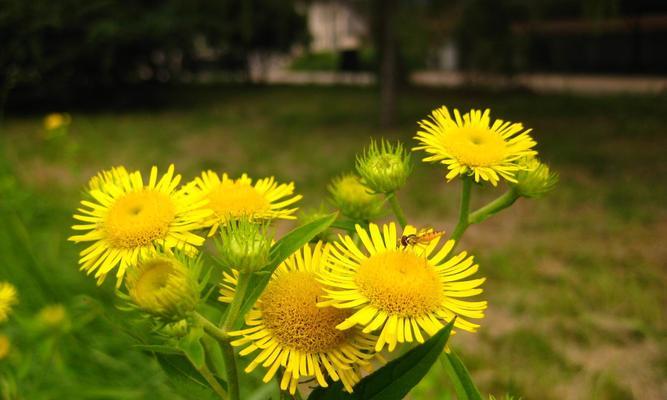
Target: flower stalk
(505, 200)
(396, 208)
(464, 209)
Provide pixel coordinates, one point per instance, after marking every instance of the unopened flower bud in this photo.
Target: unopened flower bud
(535, 180)
(162, 285)
(244, 245)
(353, 199)
(384, 167)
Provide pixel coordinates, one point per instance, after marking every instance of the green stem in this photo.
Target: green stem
(223, 334)
(211, 329)
(235, 307)
(213, 382)
(232, 371)
(396, 208)
(505, 200)
(464, 208)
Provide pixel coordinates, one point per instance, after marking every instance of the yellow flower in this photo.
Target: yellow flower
(5, 346)
(471, 145)
(8, 298)
(231, 199)
(400, 290)
(54, 316)
(56, 120)
(128, 218)
(291, 331)
(354, 199)
(164, 286)
(115, 175)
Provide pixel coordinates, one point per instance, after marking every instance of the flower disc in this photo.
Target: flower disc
(400, 291)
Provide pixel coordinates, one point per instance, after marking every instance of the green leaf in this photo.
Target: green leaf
(282, 249)
(466, 389)
(214, 355)
(346, 225)
(184, 378)
(192, 347)
(156, 348)
(395, 380)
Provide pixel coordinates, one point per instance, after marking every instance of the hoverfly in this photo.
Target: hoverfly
(424, 236)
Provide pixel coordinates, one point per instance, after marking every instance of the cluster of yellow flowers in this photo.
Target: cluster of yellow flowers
(330, 309)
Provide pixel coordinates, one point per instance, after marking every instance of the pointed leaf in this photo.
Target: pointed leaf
(395, 380)
(462, 378)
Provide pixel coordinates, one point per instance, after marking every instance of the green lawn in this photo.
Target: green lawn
(576, 282)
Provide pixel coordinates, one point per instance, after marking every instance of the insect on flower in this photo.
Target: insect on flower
(423, 236)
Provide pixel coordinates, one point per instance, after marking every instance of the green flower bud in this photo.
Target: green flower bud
(384, 168)
(244, 245)
(535, 179)
(164, 286)
(353, 199)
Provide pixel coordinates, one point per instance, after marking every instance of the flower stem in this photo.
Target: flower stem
(464, 208)
(232, 372)
(211, 329)
(505, 200)
(396, 208)
(213, 382)
(222, 334)
(235, 307)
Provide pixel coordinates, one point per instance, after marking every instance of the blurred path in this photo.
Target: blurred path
(588, 84)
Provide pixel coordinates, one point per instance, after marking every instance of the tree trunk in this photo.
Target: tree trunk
(385, 10)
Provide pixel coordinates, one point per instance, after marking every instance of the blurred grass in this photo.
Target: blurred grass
(576, 281)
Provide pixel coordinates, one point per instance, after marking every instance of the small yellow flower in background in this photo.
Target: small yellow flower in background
(8, 298)
(54, 316)
(353, 199)
(56, 121)
(472, 145)
(115, 175)
(384, 167)
(5, 346)
(164, 286)
(292, 332)
(536, 180)
(232, 199)
(129, 218)
(400, 290)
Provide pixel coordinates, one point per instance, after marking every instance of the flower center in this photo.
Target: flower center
(400, 282)
(236, 200)
(475, 147)
(139, 218)
(290, 312)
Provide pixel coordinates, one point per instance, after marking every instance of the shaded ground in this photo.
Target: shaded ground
(575, 281)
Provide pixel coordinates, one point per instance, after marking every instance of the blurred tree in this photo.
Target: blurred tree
(71, 48)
